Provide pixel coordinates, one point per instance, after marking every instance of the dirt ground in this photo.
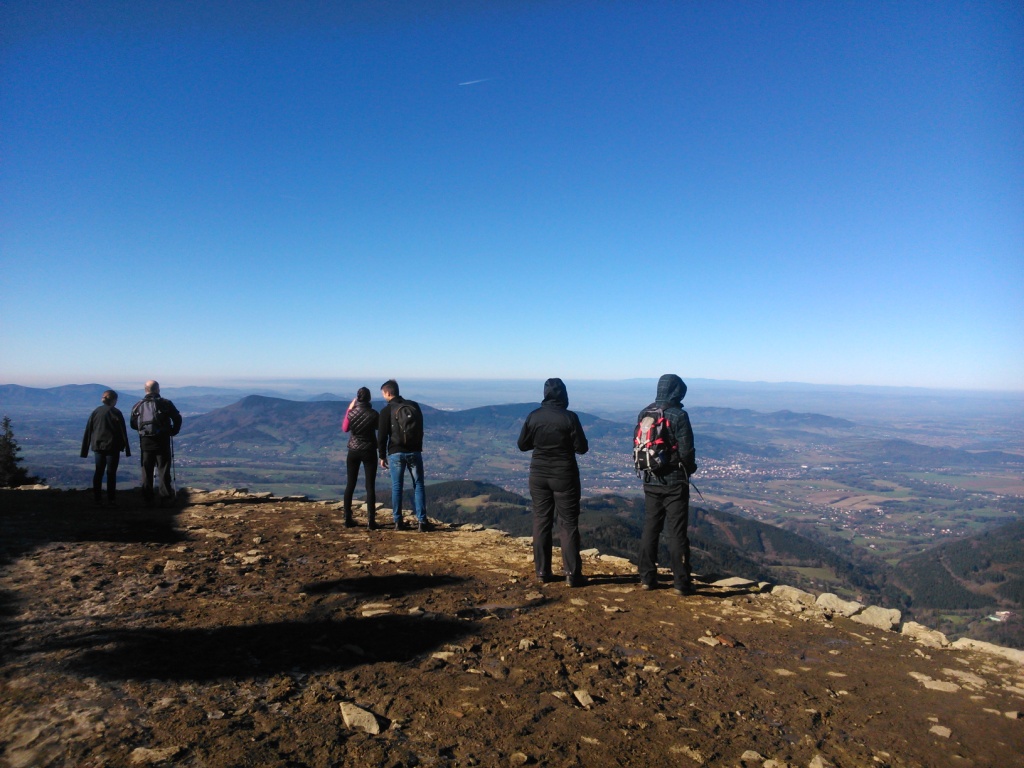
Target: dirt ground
(241, 631)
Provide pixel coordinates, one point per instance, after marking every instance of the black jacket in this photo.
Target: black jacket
(385, 445)
(361, 424)
(671, 391)
(105, 432)
(554, 434)
(171, 419)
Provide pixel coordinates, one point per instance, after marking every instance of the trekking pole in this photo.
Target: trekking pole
(690, 482)
(697, 490)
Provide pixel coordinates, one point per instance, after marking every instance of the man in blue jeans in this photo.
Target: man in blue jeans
(400, 446)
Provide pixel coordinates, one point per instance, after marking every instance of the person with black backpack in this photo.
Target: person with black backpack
(400, 445)
(665, 459)
(157, 422)
(555, 436)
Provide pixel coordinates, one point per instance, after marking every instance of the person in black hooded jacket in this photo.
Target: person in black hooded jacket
(555, 436)
(667, 495)
(361, 423)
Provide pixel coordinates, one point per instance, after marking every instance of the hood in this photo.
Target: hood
(555, 394)
(671, 390)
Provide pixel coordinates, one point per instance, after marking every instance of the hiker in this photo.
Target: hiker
(107, 435)
(555, 436)
(157, 421)
(400, 444)
(361, 423)
(667, 489)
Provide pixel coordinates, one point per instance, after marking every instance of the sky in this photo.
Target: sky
(829, 193)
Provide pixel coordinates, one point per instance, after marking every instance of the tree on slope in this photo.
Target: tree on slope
(11, 474)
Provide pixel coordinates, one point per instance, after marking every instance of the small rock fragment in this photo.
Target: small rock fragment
(357, 717)
(584, 698)
(144, 756)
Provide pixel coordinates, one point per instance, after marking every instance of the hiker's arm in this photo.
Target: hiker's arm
(124, 436)
(86, 438)
(684, 439)
(175, 420)
(579, 438)
(383, 433)
(525, 441)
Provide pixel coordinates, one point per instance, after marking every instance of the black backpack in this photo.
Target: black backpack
(149, 419)
(406, 423)
(653, 451)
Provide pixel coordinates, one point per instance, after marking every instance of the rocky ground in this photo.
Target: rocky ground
(242, 631)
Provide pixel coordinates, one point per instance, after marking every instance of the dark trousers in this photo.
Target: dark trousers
(666, 506)
(369, 461)
(561, 496)
(160, 461)
(105, 463)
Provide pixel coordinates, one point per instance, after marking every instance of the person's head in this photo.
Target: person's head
(555, 393)
(109, 397)
(671, 389)
(389, 389)
(152, 387)
(363, 395)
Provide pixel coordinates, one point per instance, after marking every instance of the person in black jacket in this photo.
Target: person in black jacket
(555, 436)
(157, 421)
(667, 495)
(361, 423)
(400, 445)
(107, 435)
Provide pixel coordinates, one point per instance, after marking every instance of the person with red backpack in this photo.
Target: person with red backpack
(665, 458)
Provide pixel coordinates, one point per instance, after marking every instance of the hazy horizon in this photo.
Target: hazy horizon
(622, 396)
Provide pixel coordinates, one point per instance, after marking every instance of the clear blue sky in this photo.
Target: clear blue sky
(775, 191)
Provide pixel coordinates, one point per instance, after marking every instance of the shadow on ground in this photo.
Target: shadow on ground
(30, 519)
(235, 652)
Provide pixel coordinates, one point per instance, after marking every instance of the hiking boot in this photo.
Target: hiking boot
(648, 585)
(685, 589)
(398, 523)
(371, 523)
(545, 578)
(575, 580)
(349, 522)
(425, 526)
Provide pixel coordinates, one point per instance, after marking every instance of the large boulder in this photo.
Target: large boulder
(835, 604)
(882, 618)
(919, 632)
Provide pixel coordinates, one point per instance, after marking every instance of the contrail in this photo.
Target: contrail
(474, 82)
